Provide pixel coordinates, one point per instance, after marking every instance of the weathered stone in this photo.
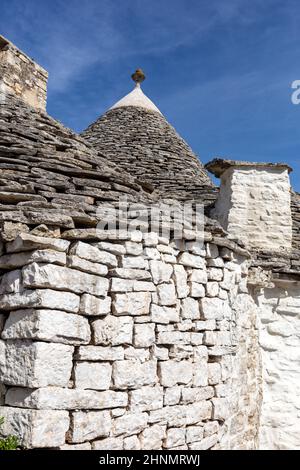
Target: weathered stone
(137, 274)
(166, 294)
(25, 242)
(133, 303)
(89, 375)
(47, 325)
(93, 306)
(40, 298)
(175, 437)
(11, 282)
(86, 426)
(194, 434)
(160, 271)
(151, 438)
(61, 278)
(220, 409)
(190, 309)
(172, 373)
(139, 286)
(110, 443)
(36, 364)
(91, 253)
(195, 394)
(65, 398)
(86, 266)
(150, 239)
(10, 230)
(180, 277)
(133, 374)
(163, 314)
(113, 248)
(191, 261)
(197, 290)
(121, 285)
(35, 428)
(172, 396)
(132, 443)
(212, 309)
(210, 428)
(198, 275)
(204, 444)
(133, 248)
(134, 262)
(146, 398)
(100, 353)
(173, 337)
(212, 289)
(214, 373)
(130, 423)
(113, 331)
(17, 260)
(200, 378)
(144, 335)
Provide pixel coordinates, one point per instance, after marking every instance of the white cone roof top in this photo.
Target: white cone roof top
(136, 97)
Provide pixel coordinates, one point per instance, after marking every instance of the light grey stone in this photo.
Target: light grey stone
(212, 289)
(146, 398)
(212, 308)
(164, 315)
(197, 290)
(175, 437)
(133, 374)
(191, 261)
(40, 298)
(195, 394)
(87, 266)
(166, 294)
(134, 262)
(172, 396)
(180, 277)
(132, 303)
(150, 239)
(194, 434)
(198, 275)
(17, 260)
(100, 353)
(172, 373)
(133, 248)
(113, 331)
(110, 443)
(114, 248)
(25, 242)
(121, 285)
(151, 438)
(132, 443)
(160, 271)
(136, 274)
(90, 375)
(93, 306)
(130, 423)
(92, 253)
(86, 426)
(144, 335)
(190, 309)
(173, 337)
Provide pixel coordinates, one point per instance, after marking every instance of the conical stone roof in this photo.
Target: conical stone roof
(137, 137)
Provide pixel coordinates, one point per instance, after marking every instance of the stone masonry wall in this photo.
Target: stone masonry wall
(280, 347)
(136, 342)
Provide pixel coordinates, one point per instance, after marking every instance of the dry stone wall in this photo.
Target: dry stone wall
(132, 343)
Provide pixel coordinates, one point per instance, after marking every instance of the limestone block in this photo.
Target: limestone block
(61, 278)
(113, 248)
(182, 415)
(198, 275)
(212, 251)
(160, 271)
(228, 280)
(136, 274)
(35, 428)
(172, 373)
(17, 260)
(132, 443)
(121, 285)
(200, 378)
(205, 325)
(86, 266)
(139, 354)
(172, 396)
(191, 261)
(150, 239)
(194, 434)
(190, 309)
(197, 290)
(130, 423)
(151, 253)
(212, 289)
(180, 277)
(84, 446)
(132, 303)
(216, 263)
(92, 253)
(151, 438)
(143, 286)
(181, 351)
(133, 374)
(36, 364)
(45, 298)
(113, 331)
(175, 437)
(210, 428)
(65, 398)
(11, 282)
(86, 426)
(47, 325)
(133, 248)
(195, 394)
(144, 335)
(100, 353)
(197, 247)
(160, 353)
(212, 308)
(220, 409)
(146, 399)
(196, 338)
(90, 375)
(200, 352)
(163, 314)
(25, 242)
(166, 294)
(110, 443)
(138, 262)
(215, 274)
(173, 337)
(205, 444)
(91, 305)
(214, 373)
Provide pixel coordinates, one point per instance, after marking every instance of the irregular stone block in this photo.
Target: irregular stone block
(121, 285)
(91, 305)
(17, 260)
(198, 275)
(197, 290)
(173, 337)
(194, 434)
(92, 253)
(133, 374)
(138, 274)
(164, 315)
(110, 443)
(130, 423)
(25, 242)
(143, 286)
(204, 444)
(132, 443)
(92, 376)
(47, 325)
(86, 426)
(44, 298)
(190, 309)
(86, 266)
(175, 437)
(144, 335)
(61, 278)
(200, 378)
(100, 353)
(133, 303)
(220, 409)
(11, 282)
(212, 289)
(214, 373)
(180, 277)
(212, 308)
(146, 398)
(138, 262)
(35, 364)
(191, 261)
(172, 373)
(113, 248)
(166, 294)
(160, 271)
(113, 331)
(133, 248)
(151, 438)
(65, 398)
(194, 394)
(172, 396)
(35, 428)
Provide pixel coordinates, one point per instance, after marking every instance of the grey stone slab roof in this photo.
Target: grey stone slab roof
(145, 145)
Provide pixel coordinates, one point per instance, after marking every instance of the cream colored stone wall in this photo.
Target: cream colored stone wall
(254, 207)
(279, 319)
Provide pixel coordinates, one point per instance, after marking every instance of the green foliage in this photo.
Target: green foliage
(9, 442)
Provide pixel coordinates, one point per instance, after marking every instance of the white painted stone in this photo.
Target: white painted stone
(86, 266)
(25, 242)
(146, 398)
(144, 335)
(37, 364)
(86, 426)
(90, 375)
(133, 374)
(113, 331)
(35, 428)
(100, 353)
(190, 309)
(160, 271)
(163, 314)
(133, 303)
(166, 294)
(65, 398)
(130, 423)
(92, 253)
(91, 305)
(172, 373)
(47, 325)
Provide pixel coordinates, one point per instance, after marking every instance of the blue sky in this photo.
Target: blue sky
(219, 70)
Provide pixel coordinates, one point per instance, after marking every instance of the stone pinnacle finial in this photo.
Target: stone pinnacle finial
(138, 76)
